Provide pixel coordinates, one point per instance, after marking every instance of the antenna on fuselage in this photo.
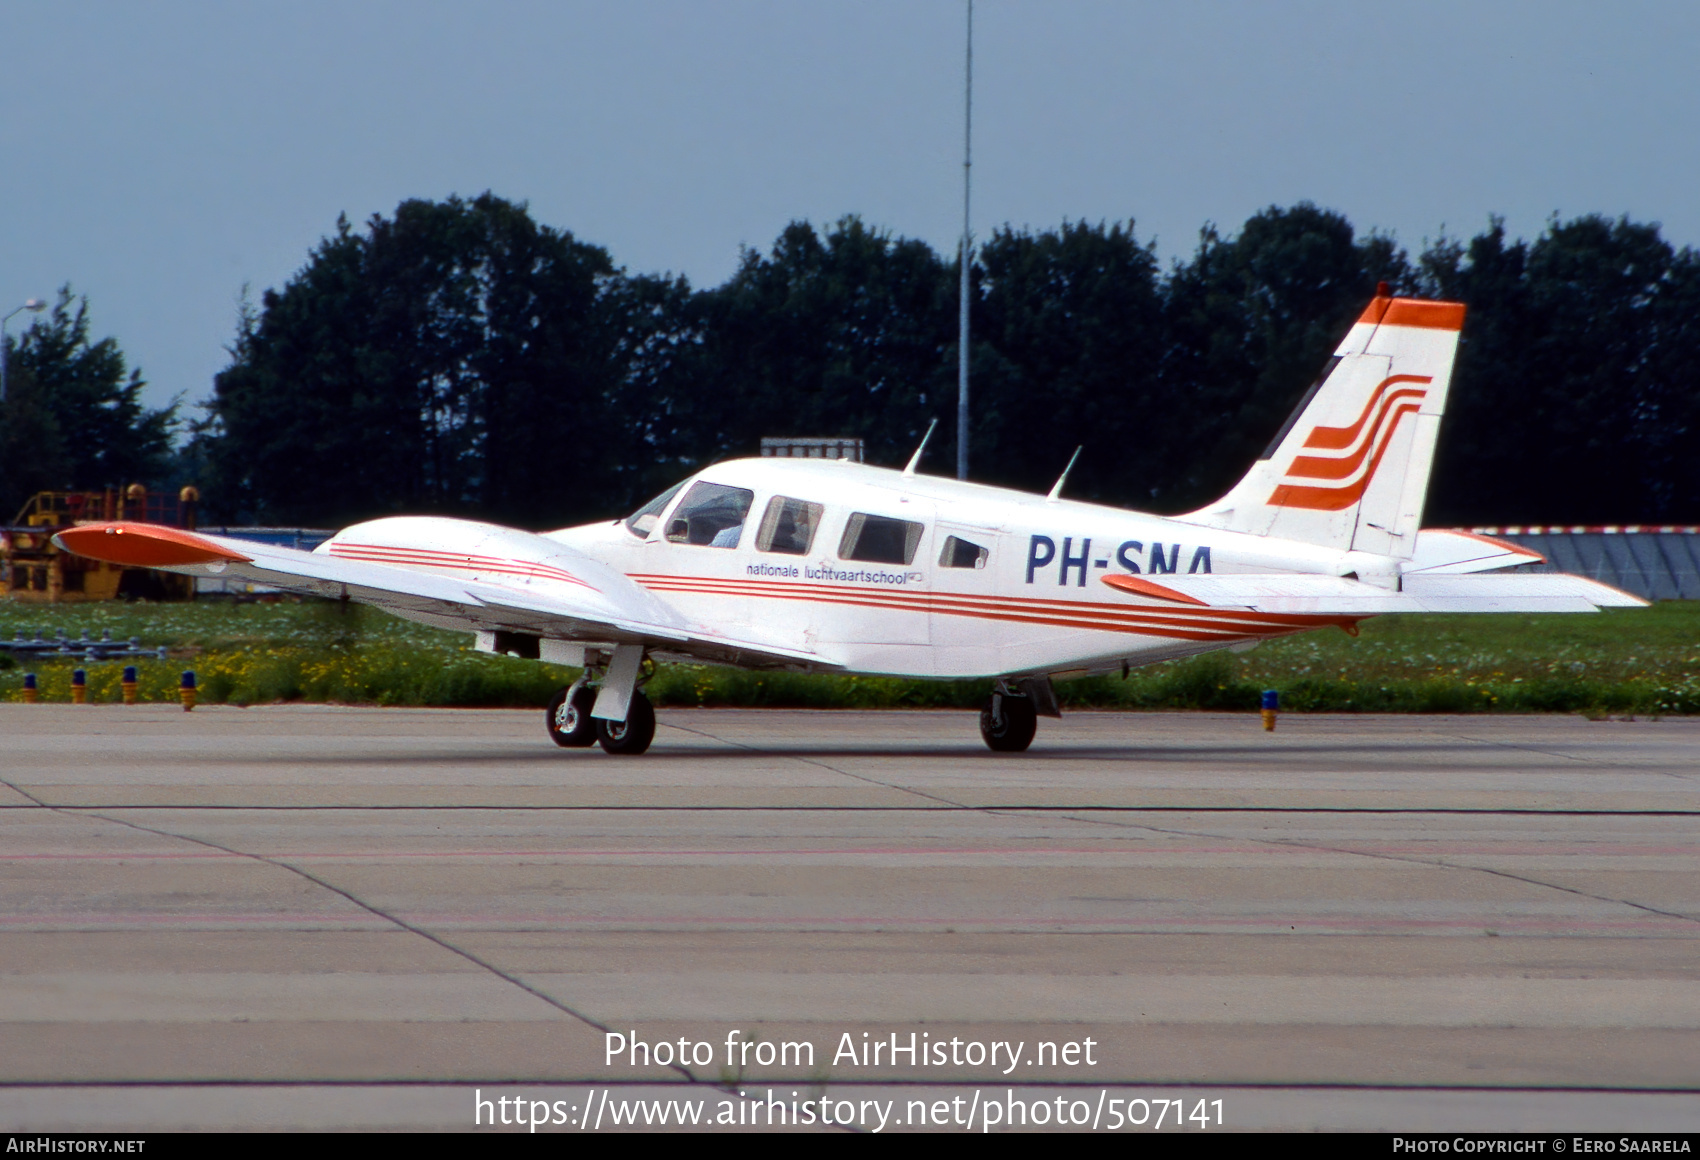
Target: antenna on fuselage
(915, 459)
(1056, 492)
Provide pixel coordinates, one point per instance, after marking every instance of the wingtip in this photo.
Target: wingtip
(143, 545)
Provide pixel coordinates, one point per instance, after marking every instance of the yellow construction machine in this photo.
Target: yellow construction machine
(32, 569)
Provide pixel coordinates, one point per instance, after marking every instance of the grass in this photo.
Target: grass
(1643, 661)
(248, 654)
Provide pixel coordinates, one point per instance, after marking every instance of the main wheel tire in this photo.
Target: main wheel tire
(1014, 732)
(633, 735)
(572, 726)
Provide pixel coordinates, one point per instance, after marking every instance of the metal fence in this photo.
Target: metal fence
(1654, 562)
(805, 448)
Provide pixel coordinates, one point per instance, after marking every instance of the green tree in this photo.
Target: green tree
(455, 358)
(1252, 320)
(841, 334)
(1069, 329)
(459, 357)
(671, 405)
(73, 416)
(1574, 397)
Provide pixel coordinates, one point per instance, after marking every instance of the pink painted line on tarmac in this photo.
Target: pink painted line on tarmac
(72, 919)
(652, 853)
(1258, 849)
(1474, 925)
(509, 921)
(135, 857)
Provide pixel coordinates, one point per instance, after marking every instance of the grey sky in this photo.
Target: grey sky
(159, 156)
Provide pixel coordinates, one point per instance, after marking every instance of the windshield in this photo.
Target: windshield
(642, 521)
(711, 515)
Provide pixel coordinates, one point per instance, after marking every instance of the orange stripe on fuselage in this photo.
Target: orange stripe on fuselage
(735, 586)
(1196, 624)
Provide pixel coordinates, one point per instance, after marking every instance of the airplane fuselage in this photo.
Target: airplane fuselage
(986, 582)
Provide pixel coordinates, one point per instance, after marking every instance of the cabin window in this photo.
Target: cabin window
(642, 522)
(711, 514)
(788, 526)
(879, 540)
(960, 553)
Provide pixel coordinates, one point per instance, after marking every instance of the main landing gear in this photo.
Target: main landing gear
(570, 724)
(569, 717)
(1008, 721)
(1010, 716)
(632, 735)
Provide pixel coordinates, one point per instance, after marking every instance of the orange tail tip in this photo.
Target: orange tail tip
(1426, 314)
(1142, 587)
(143, 545)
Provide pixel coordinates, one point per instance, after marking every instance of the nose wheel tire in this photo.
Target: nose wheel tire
(570, 724)
(1008, 723)
(633, 735)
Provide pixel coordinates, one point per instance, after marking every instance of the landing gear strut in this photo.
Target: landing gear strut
(1008, 720)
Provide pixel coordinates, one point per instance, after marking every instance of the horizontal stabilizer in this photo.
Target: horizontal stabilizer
(1519, 592)
(1442, 551)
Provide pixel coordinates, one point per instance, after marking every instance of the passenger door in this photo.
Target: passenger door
(965, 563)
(872, 569)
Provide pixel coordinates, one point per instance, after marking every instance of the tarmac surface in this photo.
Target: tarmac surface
(310, 916)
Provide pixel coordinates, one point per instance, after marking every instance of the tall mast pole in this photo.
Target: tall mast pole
(966, 255)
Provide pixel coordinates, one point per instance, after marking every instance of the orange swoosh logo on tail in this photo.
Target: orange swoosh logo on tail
(1370, 435)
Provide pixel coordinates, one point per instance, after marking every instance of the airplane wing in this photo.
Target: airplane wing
(608, 610)
(1419, 592)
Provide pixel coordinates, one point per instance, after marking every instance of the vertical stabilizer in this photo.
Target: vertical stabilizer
(1350, 469)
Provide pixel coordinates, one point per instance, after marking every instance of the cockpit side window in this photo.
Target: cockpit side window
(788, 526)
(879, 539)
(711, 514)
(958, 553)
(642, 521)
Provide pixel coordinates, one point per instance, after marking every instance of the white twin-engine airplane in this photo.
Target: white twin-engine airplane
(821, 566)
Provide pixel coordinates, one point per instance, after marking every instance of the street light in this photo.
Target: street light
(35, 306)
(966, 254)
